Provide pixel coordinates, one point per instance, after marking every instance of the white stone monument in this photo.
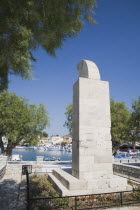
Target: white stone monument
(92, 170)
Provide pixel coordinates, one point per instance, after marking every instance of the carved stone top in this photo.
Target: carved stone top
(88, 69)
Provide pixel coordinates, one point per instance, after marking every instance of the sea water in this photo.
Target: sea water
(30, 154)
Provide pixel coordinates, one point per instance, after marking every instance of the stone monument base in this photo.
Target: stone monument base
(92, 171)
(68, 185)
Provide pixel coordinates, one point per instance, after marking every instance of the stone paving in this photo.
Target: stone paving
(126, 208)
(13, 192)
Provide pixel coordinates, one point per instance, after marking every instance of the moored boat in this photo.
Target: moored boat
(69, 149)
(16, 157)
(54, 148)
(20, 147)
(52, 159)
(41, 148)
(25, 147)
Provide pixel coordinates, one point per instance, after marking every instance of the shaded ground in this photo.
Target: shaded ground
(12, 192)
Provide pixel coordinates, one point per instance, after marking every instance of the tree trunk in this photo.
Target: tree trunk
(3, 78)
(115, 148)
(10, 147)
(134, 145)
(9, 151)
(2, 146)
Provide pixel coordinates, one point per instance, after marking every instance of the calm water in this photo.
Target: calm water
(30, 154)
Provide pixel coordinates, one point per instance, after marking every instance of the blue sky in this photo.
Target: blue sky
(113, 44)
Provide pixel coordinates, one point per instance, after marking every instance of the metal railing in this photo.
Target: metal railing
(26, 170)
(93, 201)
(127, 161)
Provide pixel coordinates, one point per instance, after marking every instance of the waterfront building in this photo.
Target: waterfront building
(68, 139)
(56, 139)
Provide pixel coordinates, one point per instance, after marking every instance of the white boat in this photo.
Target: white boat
(54, 148)
(53, 159)
(69, 149)
(20, 147)
(121, 153)
(62, 149)
(25, 147)
(16, 157)
(41, 148)
(134, 153)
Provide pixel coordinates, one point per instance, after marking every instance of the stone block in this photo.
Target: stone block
(103, 158)
(92, 147)
(70, 182)
(86, 159)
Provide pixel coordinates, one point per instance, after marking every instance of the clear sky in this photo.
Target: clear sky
(113, 44)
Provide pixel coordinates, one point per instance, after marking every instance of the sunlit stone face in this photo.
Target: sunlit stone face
(91, 145)
(88, 69)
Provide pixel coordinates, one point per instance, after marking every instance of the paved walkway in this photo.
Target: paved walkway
(126, 208)
(13, 192)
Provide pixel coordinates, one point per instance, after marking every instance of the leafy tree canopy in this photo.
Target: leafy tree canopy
(63, 144)
(26, 25)
(120, 116)
(19, 120)
(135, 121)
(44, 134)
(68, 114)
(135, 115)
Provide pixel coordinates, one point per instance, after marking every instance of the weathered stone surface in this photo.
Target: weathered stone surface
(70, 182)
(128, 171)
(91, 123)
(39, 160)
(92, 146)
(88, 69)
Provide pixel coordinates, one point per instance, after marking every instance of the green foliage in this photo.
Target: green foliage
(135, 116)
(19, 120)
(120, 117)
(135, 121)
(26, 25)
(41, 187)
(68, 114)
(63, 144)
(44, 134)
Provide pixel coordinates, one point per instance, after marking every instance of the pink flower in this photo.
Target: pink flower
(92, 203)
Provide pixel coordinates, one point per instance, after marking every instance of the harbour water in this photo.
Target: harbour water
(30, 154)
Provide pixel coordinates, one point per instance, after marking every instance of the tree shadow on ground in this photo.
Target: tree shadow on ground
(11, 192)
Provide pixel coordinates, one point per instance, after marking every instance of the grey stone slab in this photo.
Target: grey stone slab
(92, 146)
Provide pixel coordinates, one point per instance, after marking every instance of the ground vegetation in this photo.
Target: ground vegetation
(43, 196)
